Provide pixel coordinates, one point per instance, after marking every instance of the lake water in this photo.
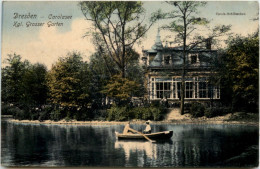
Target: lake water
(69, 145)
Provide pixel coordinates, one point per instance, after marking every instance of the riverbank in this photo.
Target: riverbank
(236, 118)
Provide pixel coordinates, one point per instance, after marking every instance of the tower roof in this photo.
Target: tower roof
(158, 43)
(157, 61)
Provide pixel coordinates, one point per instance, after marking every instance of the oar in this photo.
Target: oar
(152, 141)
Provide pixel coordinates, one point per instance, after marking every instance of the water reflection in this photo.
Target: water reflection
(142, 148)
(190, 146)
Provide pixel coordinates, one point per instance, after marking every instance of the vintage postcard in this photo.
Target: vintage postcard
(130, 84)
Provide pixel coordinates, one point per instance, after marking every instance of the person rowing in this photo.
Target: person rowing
(127, 129)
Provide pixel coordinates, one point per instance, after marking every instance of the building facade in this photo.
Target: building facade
(163, 65)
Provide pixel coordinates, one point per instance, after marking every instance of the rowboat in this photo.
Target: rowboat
(153, 136)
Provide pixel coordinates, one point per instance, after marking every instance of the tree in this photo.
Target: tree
(184, 23)
(118, 26)
(34, 83)
(120, 88)
(103, 69)
(68, 82)
(23, 83)
(12, 77)
(240, 72)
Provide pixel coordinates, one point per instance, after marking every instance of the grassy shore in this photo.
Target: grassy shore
(235, 118)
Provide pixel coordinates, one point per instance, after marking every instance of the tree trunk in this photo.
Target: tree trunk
(183, 84)
(183, 65)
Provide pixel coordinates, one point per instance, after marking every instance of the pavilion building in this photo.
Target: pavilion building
(163, 65)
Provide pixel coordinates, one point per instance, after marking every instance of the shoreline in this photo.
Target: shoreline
(186, 121)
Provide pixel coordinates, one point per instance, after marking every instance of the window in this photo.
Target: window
(202, 89)
(188, 89)
(216, 92)
(195, 87)
(152, 90)
(210, 91)
(163, 89)
(193, 59)
(167, 60)
(167, 90)
(179, 89)
(159, 89)
(173, 90)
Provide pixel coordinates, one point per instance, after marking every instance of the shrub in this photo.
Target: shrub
(45, 113)
(55, 115)
(156, 113)
(34, 115)
(6, 109)
(135, 113)
(84, 114)
(155, 103)
(146, 113)
(18, 113)
(197, 109)
(100, 114)
(117, 113)
(216, 111)
(142, 113)
(67, 119)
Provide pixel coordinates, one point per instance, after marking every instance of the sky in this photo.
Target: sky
(45, 44)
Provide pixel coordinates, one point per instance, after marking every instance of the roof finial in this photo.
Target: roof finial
(158, 42)
(158, 37)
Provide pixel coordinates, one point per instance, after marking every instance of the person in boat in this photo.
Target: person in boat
(147, 128)
(127, 129)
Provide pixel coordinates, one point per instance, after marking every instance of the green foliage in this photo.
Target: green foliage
(240, 72)
(244, 117)
(99, 114)
(120, 88)
(12, 79)
(56, 115)
(137, 112)
(18, 113)
(197, 109)
(156, 113)
(123, 113)
(6, 109)
(12, 110)
(35, 84)
(68, 82)
(102, 70)
(118, 113)
(24, 86)
(45, 114)
(23, 83)
(216, 111)
(67, 119)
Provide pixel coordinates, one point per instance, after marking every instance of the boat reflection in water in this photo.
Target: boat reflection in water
(141, 153)
(142, 149)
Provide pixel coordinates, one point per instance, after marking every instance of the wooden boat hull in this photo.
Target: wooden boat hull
(153, 136)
